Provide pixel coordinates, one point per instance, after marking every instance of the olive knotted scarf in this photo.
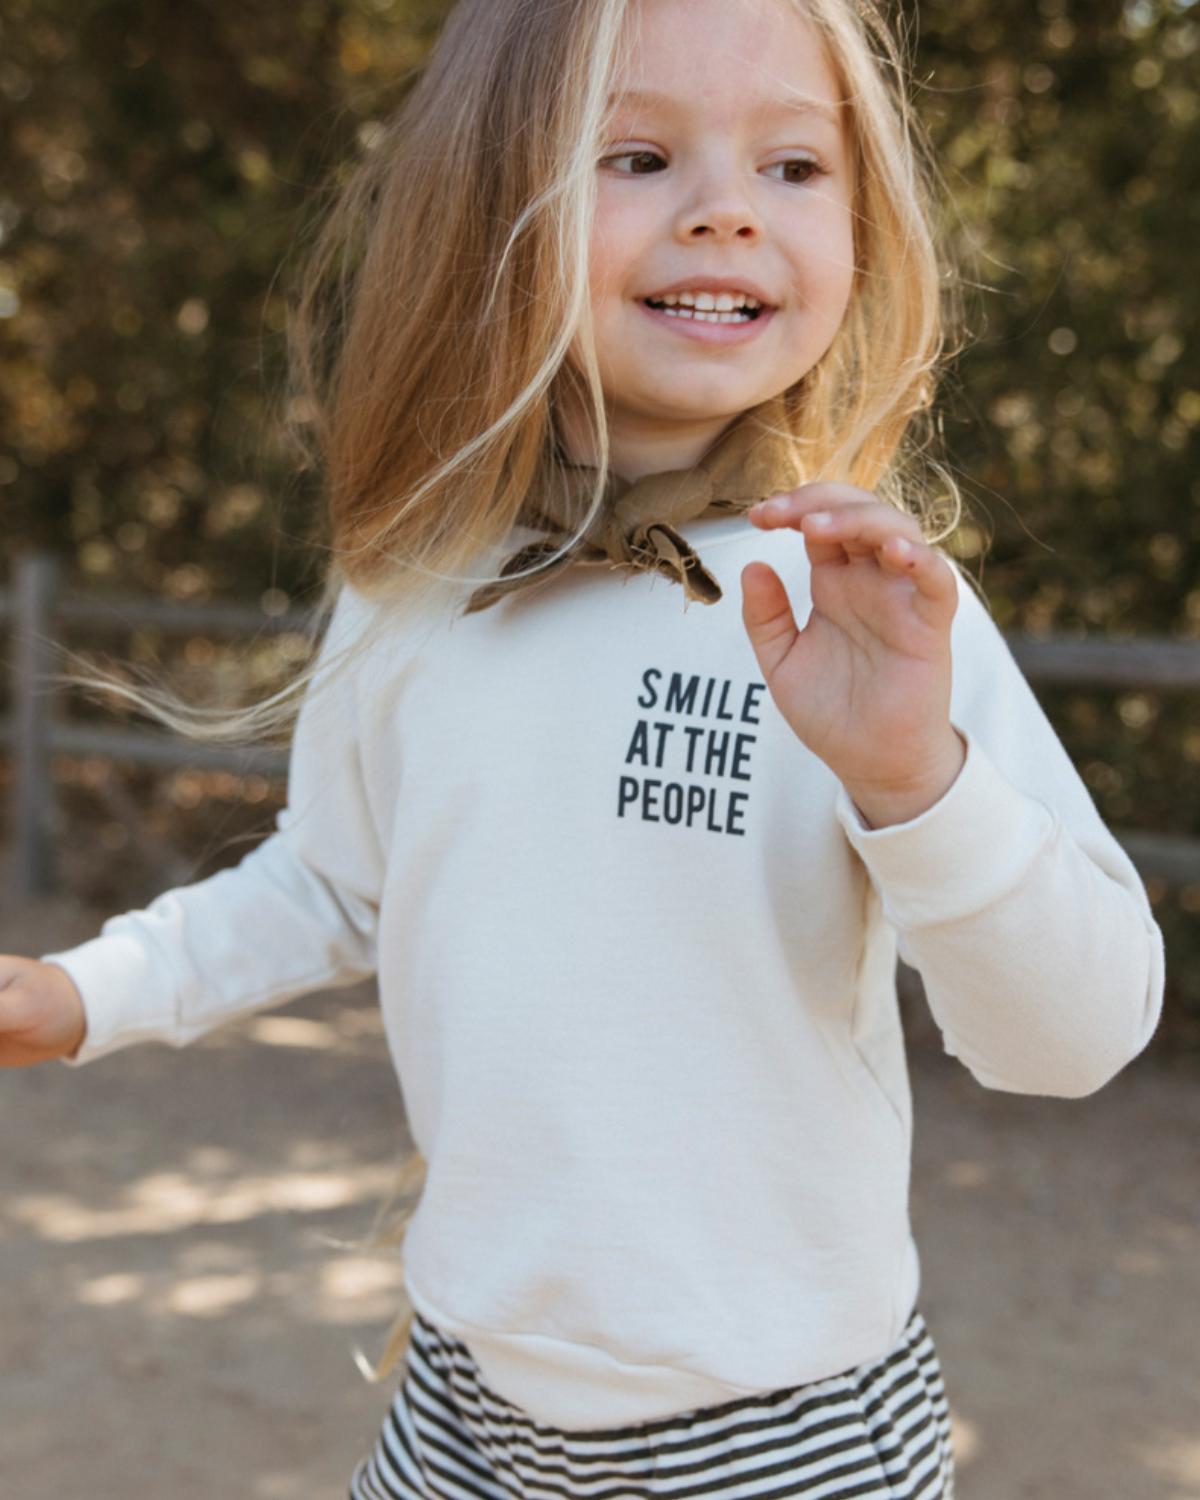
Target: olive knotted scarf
(636, 527)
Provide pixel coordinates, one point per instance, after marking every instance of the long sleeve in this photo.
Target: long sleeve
(298, 914)
(1041, 961)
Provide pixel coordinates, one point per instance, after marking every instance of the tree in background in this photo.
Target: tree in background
(158, 165)
(1070, 135)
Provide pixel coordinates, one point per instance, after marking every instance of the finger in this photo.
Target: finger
(790, 508)
(860, 529)
(924, 576)
(767, 615)
(925, 568)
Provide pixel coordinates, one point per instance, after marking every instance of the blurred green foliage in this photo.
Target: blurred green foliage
(160, 167)
(1069, 135)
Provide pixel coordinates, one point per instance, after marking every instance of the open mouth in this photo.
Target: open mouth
(708, 307)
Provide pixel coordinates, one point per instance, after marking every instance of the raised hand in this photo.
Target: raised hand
(41, 1014)
(866, 683)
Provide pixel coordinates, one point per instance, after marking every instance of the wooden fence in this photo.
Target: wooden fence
(40, 614)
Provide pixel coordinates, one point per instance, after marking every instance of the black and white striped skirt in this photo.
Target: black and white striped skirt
(881, 1432)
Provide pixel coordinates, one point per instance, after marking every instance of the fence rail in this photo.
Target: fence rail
(39, 613)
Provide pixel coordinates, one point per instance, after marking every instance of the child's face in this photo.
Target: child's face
(726, 185)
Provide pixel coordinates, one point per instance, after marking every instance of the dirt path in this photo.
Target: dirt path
(174, 1321)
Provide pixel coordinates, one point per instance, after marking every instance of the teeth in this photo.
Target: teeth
(694, 315)
(709, 307)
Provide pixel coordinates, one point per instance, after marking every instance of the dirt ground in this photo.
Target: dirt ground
(180, 1296)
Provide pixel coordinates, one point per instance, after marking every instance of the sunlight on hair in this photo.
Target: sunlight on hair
(437, 512)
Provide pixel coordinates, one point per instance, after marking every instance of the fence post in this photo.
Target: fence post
(32, 666)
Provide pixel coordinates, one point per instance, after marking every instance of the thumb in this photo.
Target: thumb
(767, 615)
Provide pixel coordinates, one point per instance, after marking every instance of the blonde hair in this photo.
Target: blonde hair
(449, 287)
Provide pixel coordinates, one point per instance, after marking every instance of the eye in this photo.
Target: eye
(797, 170)
(634, 163)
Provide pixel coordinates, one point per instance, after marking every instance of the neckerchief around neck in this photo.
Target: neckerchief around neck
(636, 526)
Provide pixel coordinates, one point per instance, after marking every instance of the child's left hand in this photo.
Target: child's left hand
(866, 683)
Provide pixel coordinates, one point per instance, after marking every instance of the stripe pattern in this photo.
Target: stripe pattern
(881, 1432)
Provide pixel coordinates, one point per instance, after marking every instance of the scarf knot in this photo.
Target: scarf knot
(636, 527)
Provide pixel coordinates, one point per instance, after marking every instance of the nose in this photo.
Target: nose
(719, 209)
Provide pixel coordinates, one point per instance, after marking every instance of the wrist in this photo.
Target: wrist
(884, 804)
(70, 1028)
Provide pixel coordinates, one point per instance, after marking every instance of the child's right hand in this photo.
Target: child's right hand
(41, 1013)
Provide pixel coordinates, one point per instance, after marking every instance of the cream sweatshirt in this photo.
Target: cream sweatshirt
(636, 954)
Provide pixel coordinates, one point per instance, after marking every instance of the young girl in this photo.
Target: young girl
(647, 304)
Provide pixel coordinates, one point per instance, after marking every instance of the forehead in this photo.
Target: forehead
(747, 56)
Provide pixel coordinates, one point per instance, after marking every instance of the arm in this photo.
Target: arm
(296, 915)
(1031, 929)
(1041, 961)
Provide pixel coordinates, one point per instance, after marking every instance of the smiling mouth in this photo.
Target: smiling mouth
(708, 307)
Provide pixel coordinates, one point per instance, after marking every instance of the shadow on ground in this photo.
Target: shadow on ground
(177, 1313)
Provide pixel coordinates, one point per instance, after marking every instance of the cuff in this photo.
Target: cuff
(117, 975)
(961, 855)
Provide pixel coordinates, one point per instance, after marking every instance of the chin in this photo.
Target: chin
(716, 410)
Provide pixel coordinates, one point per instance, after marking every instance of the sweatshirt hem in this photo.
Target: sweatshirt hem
(578, 1387)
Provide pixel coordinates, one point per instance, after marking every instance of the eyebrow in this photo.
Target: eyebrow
(795, 103)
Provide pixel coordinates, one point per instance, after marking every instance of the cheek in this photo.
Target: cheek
(618, 238)
(841, 283)
(829, 262)
(602, 247)
(603, 274)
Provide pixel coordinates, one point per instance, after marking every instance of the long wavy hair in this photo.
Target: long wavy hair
(445, 309)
